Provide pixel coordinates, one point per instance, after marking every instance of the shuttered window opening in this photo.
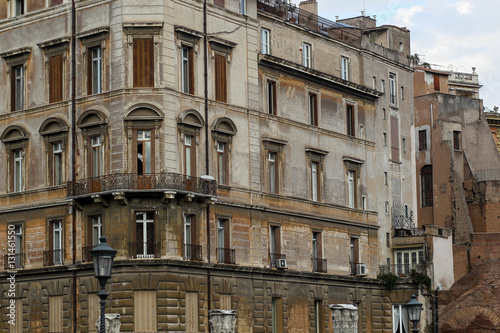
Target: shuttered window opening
(55, 314)
(220, 78)
(225, 302)
(18, 327)
(394, 140)
(143, 70)
(93, 311)
(191, 312)
(56, 78)
(145, 311)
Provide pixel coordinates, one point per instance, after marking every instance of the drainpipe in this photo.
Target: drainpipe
(207, 150)
(73, 153)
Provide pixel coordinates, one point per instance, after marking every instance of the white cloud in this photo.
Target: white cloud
(404, 16)
(463, 7)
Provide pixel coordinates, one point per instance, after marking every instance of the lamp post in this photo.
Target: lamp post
(414, 310)
(103, 256)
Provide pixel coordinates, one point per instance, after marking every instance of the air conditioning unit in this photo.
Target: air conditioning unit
(360, 269)
(280, 263)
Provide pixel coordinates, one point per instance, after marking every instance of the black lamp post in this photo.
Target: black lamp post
(414, 310)
(103, 256)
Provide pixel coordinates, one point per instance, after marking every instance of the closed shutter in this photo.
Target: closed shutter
(143, 62)
(191, 312)
(145, 311)
(191, 70)
(12, 89)
(55, 314)
(225, 302)
(220, 78)
(55, 78)
(89, 71)
(394, 139)
(193, 157)
(93, 311)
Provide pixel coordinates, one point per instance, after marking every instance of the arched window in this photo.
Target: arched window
(55, 132)
(15, 139)
(223, 131)
(426, 185)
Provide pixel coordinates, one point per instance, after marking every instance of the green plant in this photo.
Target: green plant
(390, 279)
(421, 279)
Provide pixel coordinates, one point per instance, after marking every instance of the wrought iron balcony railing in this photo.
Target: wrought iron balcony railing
(134, 181)
(53, 257)
(402, 220)
(403, 269)
(144, 250)
(225, 256)
(319, 265)
(13, 261)
(192, 252)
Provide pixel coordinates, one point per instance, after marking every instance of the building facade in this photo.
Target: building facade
(240, 155)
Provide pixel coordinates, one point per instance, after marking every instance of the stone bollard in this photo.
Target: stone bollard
(345, 318)
(222, 321)
(112, 322)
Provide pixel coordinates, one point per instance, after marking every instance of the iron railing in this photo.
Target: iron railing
(274, 257)
(295, 15)
(402, 220)
(225, 256)
(13, 261)
(403, 269)
(192, 252)
(144, 250)
(134, 181)
(319, 265)
(53, 257)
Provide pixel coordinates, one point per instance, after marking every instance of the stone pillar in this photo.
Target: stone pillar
(112, 322)
(345, 318)
(222, 321)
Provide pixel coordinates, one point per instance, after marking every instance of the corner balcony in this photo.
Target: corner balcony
(403, 222)
(119, 182)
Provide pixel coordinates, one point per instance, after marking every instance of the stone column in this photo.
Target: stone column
(112, 322)
(345, 318)
(222, 321)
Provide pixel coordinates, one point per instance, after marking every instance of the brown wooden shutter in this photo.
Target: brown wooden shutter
(191, 70)
(277, 166)
(356, 250)
(11, 170)
(315, 109)
(134, 152)
(436, 83)
(193, 156)
(194, 231)
(219, 3)
(143, 59)
(55, 78)
(220, 78)
(277, 238)
(51, 164)
(13, 89)
(152, 131)
(394, 139)
(89, 71)
(275, 98)
(139, 237)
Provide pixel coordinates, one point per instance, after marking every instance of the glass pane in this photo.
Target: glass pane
(147, 157)
(188, 161)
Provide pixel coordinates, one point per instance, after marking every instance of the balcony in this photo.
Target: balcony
(402, 270)
(319, 265)
(133, 181)
(403, 222)
(144, 250)
(274, 258)
(53, 257)
(295, 15)
(13, 261)
(192, 252)
(225, 256)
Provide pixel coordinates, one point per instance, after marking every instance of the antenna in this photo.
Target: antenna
(363, 11)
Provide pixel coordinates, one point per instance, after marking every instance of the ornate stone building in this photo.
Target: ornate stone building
(243, 155)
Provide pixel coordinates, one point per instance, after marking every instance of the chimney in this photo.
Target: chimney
(310, 6)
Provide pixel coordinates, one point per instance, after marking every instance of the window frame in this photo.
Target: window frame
(426, 186)
(148, 235)
(344, 68)
(306, 55)
(190, 234)
(422, 140)
(457, 140)
(350, 120)
(221, 77)
(275, 246)
(272, 98)
(95, 222)
(400, 319)
(273, 146)
(393, 94)
(312, 107)
(224, 240)
(265, 41)
(316, 157)
(395, 154)
(352, 181)
(94, 68)
(223, 130)
(17, 59)
(56, 242)
(142, 142)
(56, 55)
(187, 69)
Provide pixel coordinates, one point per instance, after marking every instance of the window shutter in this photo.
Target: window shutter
(152, 131)
(219, 3)
(277, 237)
(191, 70)
(220, 78)
(193, 156)
(55, 78)
(394, 139)
(191, 312)
(93, 311)
(194, 230)
(51, 164)
(12, 89)
(150, 230)
(143, 71)
(55, 314)
(275, 98)
(89, 71)
(139, 238)
(145, 311)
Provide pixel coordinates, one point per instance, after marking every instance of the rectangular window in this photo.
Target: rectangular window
(221, 78)
(315, 181)
(219, 3)
(374, 83)
(400, 319)
(319, 264)
(143, 60)
(318, 316)
(96, 229)
(144, 153)
(426, 186)
(145, 311)
(273, 171)
(354, 254)
(313, 109)
(385, 139)
(96, 156)
(57, 242)
(363, 203)
(224, 252)
(436, 83)
(19, 249)
(265, 35)
(306, 55)
(271, 97)
(17, 88)
(404, 145)
(192, 251)
(351, 120)
(277, 315)
(422, 140)
(392, 89)
(402, 93)
(187, 74)
(19, 7)
(274, 244)
(94, 83)
(382, 86)
(386, 179)
(351, 188)
(189, 156)
(243, 7)
(18, 168)
(394, 139)
(457, 138)
(145, 234)
(344, 68)
(57, 163)
(56, 314)
(56, 78)
(192, 312)
(222, 163)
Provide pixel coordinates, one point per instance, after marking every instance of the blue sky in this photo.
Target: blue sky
(458, 34)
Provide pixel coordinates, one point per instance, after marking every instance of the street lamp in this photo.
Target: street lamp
(414, 310)
(103, 256)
